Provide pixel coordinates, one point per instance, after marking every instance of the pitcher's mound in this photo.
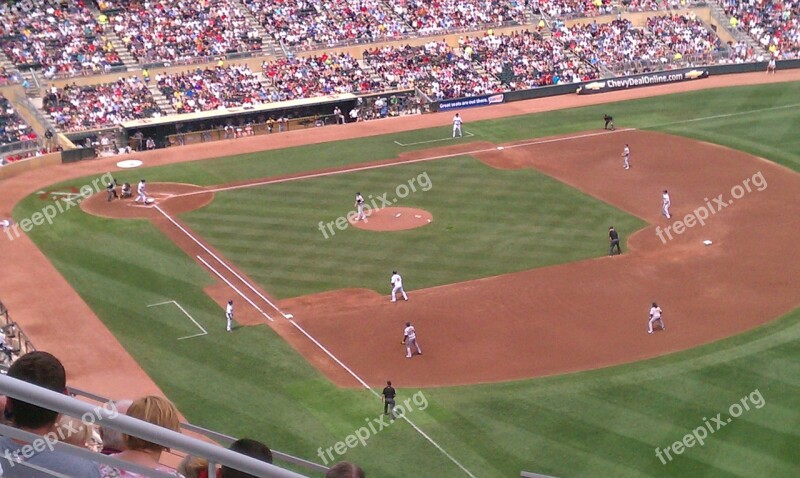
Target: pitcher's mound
(394, 219)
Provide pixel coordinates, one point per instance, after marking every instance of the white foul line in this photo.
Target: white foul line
(187, 315)
(467, 134)
(303, 331)
(235, 289)
(364, 384)
(173, 221)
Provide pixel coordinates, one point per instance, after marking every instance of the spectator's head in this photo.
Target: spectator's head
(345, 469)
(247, 447)
(156, 410)
(76, 431)
(193, 467)
(113, 440)
(44, 370)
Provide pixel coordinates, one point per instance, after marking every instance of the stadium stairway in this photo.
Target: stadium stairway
(268, 45)
(111, 35)
(161, 100)
(722, 18)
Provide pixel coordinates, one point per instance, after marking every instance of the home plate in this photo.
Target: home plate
(707, 242)
(500, 148)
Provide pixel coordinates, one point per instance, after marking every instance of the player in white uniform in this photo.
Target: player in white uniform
(360, 208)
(141, 192)
(397, 286)
(665, 204)
(457, 125)
(410, 340)
(229, 315)
(626, 157)
(655, 316)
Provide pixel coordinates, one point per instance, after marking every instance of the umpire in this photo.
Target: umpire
(609, 121)
(613, 240)
(388, 395)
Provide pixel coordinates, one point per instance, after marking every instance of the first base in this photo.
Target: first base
(707, 242)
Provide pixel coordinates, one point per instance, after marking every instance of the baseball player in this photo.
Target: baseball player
(141, 192)
(229, 315)
(360, 208)
(771, 66)
(609, 122)
(655, 315)
(410, 340)
(397, 286)
(626, 156)
(111, 190)
(665, 204)
(457, 125)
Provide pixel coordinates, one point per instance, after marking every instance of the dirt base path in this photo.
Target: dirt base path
(88, 348)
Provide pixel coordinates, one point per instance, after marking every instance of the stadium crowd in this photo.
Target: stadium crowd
(435, 68)
(665, 40)
(212, 88)
(12, 127)
(429, 17)
(60, 37)
(307, 24)
(163, 30)
(774, 25)
(76, 108)
(319, 75)
(573, 8)
(525, 60)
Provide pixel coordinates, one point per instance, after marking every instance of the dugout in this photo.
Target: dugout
(188, 128)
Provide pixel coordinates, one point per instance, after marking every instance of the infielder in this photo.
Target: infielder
(626, 157)
(229, 315)
(359, 205)
(665, 204)
(397, 286)
(655, 315)
(141, 192)
(457, 126)
(410, 339)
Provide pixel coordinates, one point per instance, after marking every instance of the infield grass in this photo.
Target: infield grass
(598, 423)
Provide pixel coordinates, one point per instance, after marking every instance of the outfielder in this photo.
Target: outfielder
(410, 339)
(457, 125)
(397, 286)
(626, 156)
(665, 204)
(141, 192)
(655, 315)
(229, 315)
(360, 208)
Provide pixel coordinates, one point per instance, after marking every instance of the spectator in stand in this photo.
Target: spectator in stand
(308, 24)
(307, 77)
(60, 37)
(75, 108)
(152, 409)
(170, 30)
(574, 8)
(247, 447)
(429, 17)
(345, 469)
(12, 127)
(113, 440)
(774, 25)
(42, 369)
(212, 89)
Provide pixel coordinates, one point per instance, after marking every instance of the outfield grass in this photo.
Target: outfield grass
(600, 423)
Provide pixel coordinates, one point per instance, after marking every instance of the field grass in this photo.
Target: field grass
(599, 423)
(486, 222)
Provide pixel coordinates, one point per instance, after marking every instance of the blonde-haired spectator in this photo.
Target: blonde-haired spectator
(79, 433)
(157, 411)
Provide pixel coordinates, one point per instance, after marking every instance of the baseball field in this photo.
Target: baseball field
(536, 351)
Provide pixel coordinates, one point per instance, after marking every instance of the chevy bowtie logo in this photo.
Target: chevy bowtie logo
(595, 85)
